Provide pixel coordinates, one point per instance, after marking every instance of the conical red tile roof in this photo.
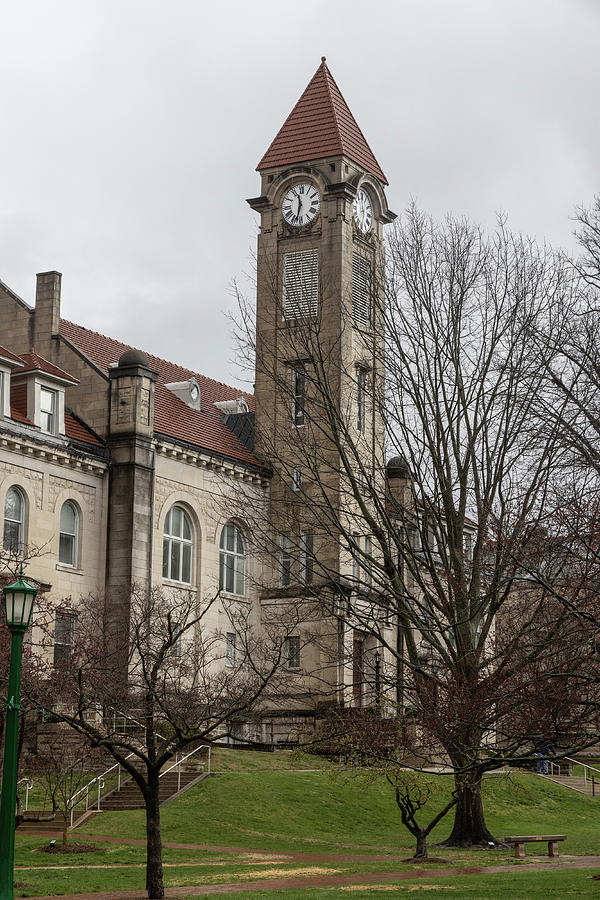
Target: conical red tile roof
(319, 125)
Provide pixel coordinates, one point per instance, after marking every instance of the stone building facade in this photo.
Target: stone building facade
(127, 469)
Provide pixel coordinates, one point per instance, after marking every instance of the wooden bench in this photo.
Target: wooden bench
(520, 841)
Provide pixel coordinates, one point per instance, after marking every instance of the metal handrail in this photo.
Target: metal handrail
(28, 787)
(554, 766)
(178, 762)
(117, 713)
(99, 780)
(578, 762)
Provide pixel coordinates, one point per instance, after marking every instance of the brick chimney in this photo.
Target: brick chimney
(47, 309)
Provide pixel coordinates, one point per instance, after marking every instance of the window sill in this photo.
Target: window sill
(237, 598)
(182, 585)
(73, 570)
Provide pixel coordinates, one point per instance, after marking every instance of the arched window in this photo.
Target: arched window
(232, 568)
(14, 520)
(177, 546)
(69, 534)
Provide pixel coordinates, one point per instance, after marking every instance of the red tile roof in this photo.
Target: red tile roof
(319, 125)
(35, 363)
(8, 354)
(172, 417)
(76, 430)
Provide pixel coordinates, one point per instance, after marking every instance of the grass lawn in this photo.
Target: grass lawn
(269, 802)
(517, 886)
(313, 811)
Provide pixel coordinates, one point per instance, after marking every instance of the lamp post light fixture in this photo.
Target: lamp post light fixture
(18, 606)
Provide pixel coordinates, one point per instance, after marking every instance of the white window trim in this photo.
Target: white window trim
(182, 541)
(21, 521)
(237, 556)
(74, 563)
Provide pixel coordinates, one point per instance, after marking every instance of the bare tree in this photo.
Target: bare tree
(64, 773)
(448, 382)
(178, 688)
(371, 747)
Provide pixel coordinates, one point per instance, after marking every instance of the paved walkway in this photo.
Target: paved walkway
(281, 884)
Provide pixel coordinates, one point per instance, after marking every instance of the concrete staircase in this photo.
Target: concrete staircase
(130, 796)
(576, 783)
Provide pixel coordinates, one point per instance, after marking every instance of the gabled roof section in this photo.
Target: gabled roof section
(35, 363)
(173, 418)
(319, 125)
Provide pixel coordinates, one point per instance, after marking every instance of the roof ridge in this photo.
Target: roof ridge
(155, 356)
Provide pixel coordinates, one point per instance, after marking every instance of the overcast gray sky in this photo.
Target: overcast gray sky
(131, 131)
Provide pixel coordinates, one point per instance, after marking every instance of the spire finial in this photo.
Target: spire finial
(323, 58)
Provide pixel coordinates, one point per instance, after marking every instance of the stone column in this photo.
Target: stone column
(131, 490)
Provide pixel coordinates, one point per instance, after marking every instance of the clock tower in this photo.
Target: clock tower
(319, 329)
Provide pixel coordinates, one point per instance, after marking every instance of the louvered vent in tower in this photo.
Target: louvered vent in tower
(361, 290)
(300, 284)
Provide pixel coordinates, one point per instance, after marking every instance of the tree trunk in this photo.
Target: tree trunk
(421, 851)
(469, 822)
(154, 873)
(64, 832)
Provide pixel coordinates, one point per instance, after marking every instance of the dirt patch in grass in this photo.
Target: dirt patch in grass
(68, 848)
(423, 862)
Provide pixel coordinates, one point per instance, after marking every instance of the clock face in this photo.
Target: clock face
(363, 211)
(301, 204)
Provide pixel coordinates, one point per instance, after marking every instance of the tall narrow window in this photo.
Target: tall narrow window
(48, 410)
(367, 565)
(300, 284)
(232, 563)
(355, 558)
(292, 652)
(306, 567)
(69, 533)
(285, 559)
(361, 384)
(298, 394)
(361, 290)
(230, 650)
(14, 520)
(64, 637)
(297, 482)
(358, 667)
(177, 546)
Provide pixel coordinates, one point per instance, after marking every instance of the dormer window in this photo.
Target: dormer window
(188, 391)
(45, 386)
(8, 362)
(48, 405)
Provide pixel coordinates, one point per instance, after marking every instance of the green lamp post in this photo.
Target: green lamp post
(18, 600)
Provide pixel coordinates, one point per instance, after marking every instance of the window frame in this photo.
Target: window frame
(307, 556)
(70, 618)
(299, 394)
(74, 536)
(292, 656)
(284, 541)
(170, 538)
(238, 565)
(361, 393)
(230, 649)
(52, 414)
(10, 548)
